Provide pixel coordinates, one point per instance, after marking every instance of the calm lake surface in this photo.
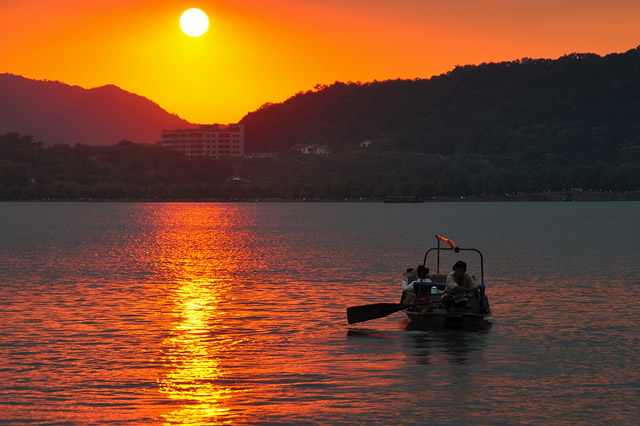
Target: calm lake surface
(179, 313)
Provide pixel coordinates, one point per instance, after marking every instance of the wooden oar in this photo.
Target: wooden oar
(369, 312)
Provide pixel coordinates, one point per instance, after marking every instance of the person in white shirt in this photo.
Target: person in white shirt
(458, 285)
(423, 274)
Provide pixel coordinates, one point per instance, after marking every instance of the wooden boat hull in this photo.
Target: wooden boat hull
(428, 311)
(435, 320)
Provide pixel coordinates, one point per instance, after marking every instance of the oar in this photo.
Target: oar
(369, 312)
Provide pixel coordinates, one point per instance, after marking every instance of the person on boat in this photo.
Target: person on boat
(458, 285)
(422, 276)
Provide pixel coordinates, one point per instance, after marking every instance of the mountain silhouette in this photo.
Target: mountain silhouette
(57, 113)
(578, 102)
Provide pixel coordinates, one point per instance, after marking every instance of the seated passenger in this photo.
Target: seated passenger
(408, 279)
(458, 285)
(422, 276)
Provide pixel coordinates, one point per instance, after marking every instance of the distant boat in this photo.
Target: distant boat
(422, 301)
(404, 199)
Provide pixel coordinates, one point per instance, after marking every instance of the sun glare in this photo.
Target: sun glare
(194, 22)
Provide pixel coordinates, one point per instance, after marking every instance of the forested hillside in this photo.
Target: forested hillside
(580, 103)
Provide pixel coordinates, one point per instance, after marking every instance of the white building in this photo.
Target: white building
(210, 140)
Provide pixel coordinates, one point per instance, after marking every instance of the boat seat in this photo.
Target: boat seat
(442, 278)
(438, 278)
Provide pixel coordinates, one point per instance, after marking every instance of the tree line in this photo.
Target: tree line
(30, 170)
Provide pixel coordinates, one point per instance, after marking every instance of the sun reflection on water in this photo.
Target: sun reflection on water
(194, 353)
(192, 358)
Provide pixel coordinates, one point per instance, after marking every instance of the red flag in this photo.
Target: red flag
(446, 241)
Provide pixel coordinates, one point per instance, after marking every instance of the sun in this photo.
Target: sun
(194, 22)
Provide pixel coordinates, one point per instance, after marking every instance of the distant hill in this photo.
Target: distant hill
(57, 113)
(577, 103)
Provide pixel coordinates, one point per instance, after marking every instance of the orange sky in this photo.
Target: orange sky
(259, 51)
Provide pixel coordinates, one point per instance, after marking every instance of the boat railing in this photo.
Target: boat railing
(452, 247)
(456, 250)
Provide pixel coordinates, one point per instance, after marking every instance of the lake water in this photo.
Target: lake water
(180, 313)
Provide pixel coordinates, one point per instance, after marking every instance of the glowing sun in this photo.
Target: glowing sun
(194, 22)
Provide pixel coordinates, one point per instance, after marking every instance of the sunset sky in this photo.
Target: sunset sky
(259, 51)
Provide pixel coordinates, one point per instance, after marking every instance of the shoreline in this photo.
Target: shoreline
(559, 196)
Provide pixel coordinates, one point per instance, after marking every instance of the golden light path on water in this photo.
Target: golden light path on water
(201, 266)
(234, 344)
(192, 358)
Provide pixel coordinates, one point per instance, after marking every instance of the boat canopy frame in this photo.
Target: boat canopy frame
(452, 247)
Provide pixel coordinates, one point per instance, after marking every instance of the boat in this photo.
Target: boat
(421, 298)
